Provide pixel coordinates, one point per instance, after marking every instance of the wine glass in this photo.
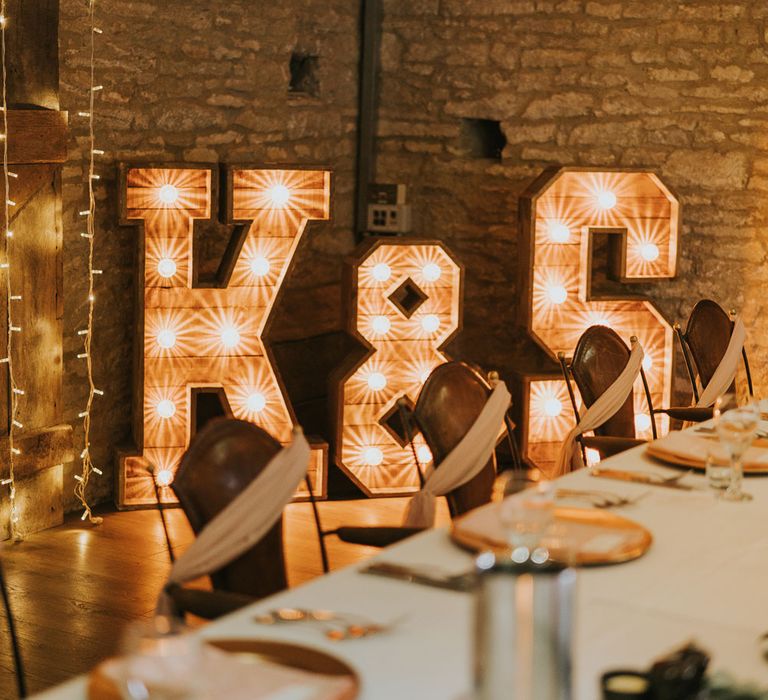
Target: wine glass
(527, 511)
(736, 427)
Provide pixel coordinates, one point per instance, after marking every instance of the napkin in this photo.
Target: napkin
(684, 447)
(213, 674)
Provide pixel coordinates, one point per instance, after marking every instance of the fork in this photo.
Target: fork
(601, 499)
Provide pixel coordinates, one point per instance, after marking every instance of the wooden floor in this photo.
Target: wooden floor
(74, 588)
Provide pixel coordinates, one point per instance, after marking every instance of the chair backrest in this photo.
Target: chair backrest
(222, 460)
(707, 335)
(449, 403)
(599, 358)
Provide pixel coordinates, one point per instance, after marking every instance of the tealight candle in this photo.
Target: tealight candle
(625, 685)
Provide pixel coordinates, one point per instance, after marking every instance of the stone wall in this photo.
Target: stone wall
(675, 87)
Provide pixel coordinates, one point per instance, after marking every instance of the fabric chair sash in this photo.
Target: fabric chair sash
(463, 462)
(727, 368)
(247, 518)
(611, 400)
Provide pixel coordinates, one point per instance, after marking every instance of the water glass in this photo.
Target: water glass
(718, 474)
(160, 661)
(736, 427)
(527, 511)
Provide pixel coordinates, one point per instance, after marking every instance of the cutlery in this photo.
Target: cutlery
(600, 499)
(352, 626)
(457, 582)
(671, 482)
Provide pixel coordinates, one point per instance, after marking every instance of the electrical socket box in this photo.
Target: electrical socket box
(388, 211)
(389, 218)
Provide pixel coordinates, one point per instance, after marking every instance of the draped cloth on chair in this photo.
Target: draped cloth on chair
(463, 462)
(247, 518)
(727, 368)
(610, 401)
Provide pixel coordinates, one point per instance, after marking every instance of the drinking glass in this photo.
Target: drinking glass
(160, 662)
(527, 511)
(736, 427)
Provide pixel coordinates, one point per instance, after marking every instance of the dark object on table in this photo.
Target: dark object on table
(680, 675)
(625, 685)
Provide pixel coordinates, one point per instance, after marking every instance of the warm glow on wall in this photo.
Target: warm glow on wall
(406, 304)
(209, 338)
(563, 211)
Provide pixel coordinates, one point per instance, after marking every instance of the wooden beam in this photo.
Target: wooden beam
(40, 449)
(37, 136)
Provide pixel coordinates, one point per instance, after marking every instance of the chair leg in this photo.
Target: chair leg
(517, 462)
(408, 429)
(160, 508)
(21, 684)
(320, 533)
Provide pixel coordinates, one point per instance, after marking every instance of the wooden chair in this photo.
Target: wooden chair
(222, 460)
(704, 343)
(598, 360)
(449, 403)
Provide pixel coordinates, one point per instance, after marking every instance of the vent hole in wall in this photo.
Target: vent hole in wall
(482, 138)
(304, 79)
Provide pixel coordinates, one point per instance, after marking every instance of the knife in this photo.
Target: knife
(458, 582)
(639, 479)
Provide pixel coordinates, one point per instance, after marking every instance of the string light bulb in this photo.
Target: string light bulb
(424, 454)
(166, 338)
(557, 293)
(552, 407)
(164, 477)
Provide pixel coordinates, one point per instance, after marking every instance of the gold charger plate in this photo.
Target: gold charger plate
(635, 539)
(101, 687)
(700, 465)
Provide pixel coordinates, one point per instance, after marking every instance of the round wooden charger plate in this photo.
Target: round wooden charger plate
(674, 460)
(600, 519)
(101, 687)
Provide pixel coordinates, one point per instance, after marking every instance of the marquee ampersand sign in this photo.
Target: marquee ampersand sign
(561, 213)
(405, 305)
(197, 338)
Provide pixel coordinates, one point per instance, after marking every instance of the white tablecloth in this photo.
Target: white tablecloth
(705, 579)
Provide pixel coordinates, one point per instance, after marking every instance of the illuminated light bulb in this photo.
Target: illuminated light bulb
(552, 407)
(373, 456)
(647, 363)
(166, 267)
(431, 272)
(380, 324)
(256, 402)
(558, 232)
(166, 338)
(279, 195)
(430, 323)
(164, 477)
(606, 199)
(259, 266)
(382, 272)
(424, 375)
(376, 381)
(649, 252)
(557, 293)
(166, 408)
(230, 336)
(593, 456)
(642, 422)
(424, 454)
(168, 194)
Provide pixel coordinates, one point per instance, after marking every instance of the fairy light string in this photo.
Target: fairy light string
(88, 469)
(14, 392)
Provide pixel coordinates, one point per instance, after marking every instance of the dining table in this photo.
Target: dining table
(704, 579)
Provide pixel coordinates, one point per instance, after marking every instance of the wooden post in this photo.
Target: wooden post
(37, 145)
